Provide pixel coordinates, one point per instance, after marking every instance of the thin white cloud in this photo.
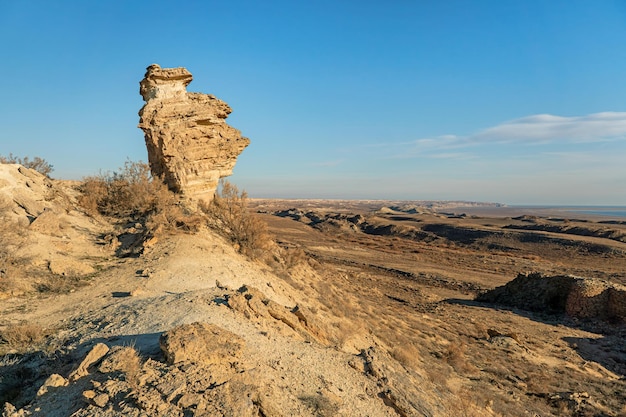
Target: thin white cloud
(429, 146)
(550, 128)
(535, 129)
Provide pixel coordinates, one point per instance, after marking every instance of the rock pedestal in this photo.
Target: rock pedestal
(189, 143)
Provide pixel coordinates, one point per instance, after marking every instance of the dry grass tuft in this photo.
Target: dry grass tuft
(22, 337)
(130, 365)
(293, 257)
(456, 357)
(468, 403)
(408, 355)
(57, 284)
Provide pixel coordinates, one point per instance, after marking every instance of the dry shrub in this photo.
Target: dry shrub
(129, 192)
(175, 217)
(124, 360)
(407, 354)
(481, 331)
(342, 330)
(21, 337)
(38, 164)
(456, 357)
(284, 261)
(130, 364)
(293, 257)
(228, 214)
(470, 403)
(57, 284)
(133, 194)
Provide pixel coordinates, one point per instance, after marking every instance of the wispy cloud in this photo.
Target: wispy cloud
(532, 130)
(431, 147)
(550, 128)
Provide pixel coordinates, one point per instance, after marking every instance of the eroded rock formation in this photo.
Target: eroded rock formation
(577, 297)
(189, 143)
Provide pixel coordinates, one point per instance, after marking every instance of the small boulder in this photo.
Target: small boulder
(53, 381)
(99, 400)
(94, 356)
(201, 343)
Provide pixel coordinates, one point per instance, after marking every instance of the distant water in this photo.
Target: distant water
(602, 212)
(615, 212)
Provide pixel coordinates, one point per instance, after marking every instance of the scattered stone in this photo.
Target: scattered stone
(9, 410)
(575, 402)
(96, 353)
(99, 400)
(394, 384)
(280, 313)
(201, 343)
(493, 333)
(53, 381)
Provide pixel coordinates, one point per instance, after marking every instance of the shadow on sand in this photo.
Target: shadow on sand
(608, 350)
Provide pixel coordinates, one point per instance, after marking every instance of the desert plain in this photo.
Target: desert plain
(348, 308)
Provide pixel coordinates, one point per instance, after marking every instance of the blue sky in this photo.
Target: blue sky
(519, 102)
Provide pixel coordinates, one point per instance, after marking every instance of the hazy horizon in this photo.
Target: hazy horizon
(520, 103)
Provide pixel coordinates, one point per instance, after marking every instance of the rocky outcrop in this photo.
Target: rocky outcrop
(189, 143)
(577, 297)
(202, 343)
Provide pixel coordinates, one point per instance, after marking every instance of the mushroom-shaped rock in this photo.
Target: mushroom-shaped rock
(190, 146)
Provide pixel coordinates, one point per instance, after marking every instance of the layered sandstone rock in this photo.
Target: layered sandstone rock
(189, 143)
(577, 297)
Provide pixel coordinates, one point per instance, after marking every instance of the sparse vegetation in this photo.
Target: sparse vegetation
(130, 364)
(293, 257)
(133, 194)
(403, 294)
(131, 191)
(21, 338)
(228, 214)
(38, 164)
(60, 284)
(456, 356)
(320, 405)
(407, 354)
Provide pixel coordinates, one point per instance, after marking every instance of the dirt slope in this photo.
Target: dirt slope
(294, 359)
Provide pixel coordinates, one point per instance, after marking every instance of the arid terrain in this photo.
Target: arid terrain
(350, 309)
(415, 269)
